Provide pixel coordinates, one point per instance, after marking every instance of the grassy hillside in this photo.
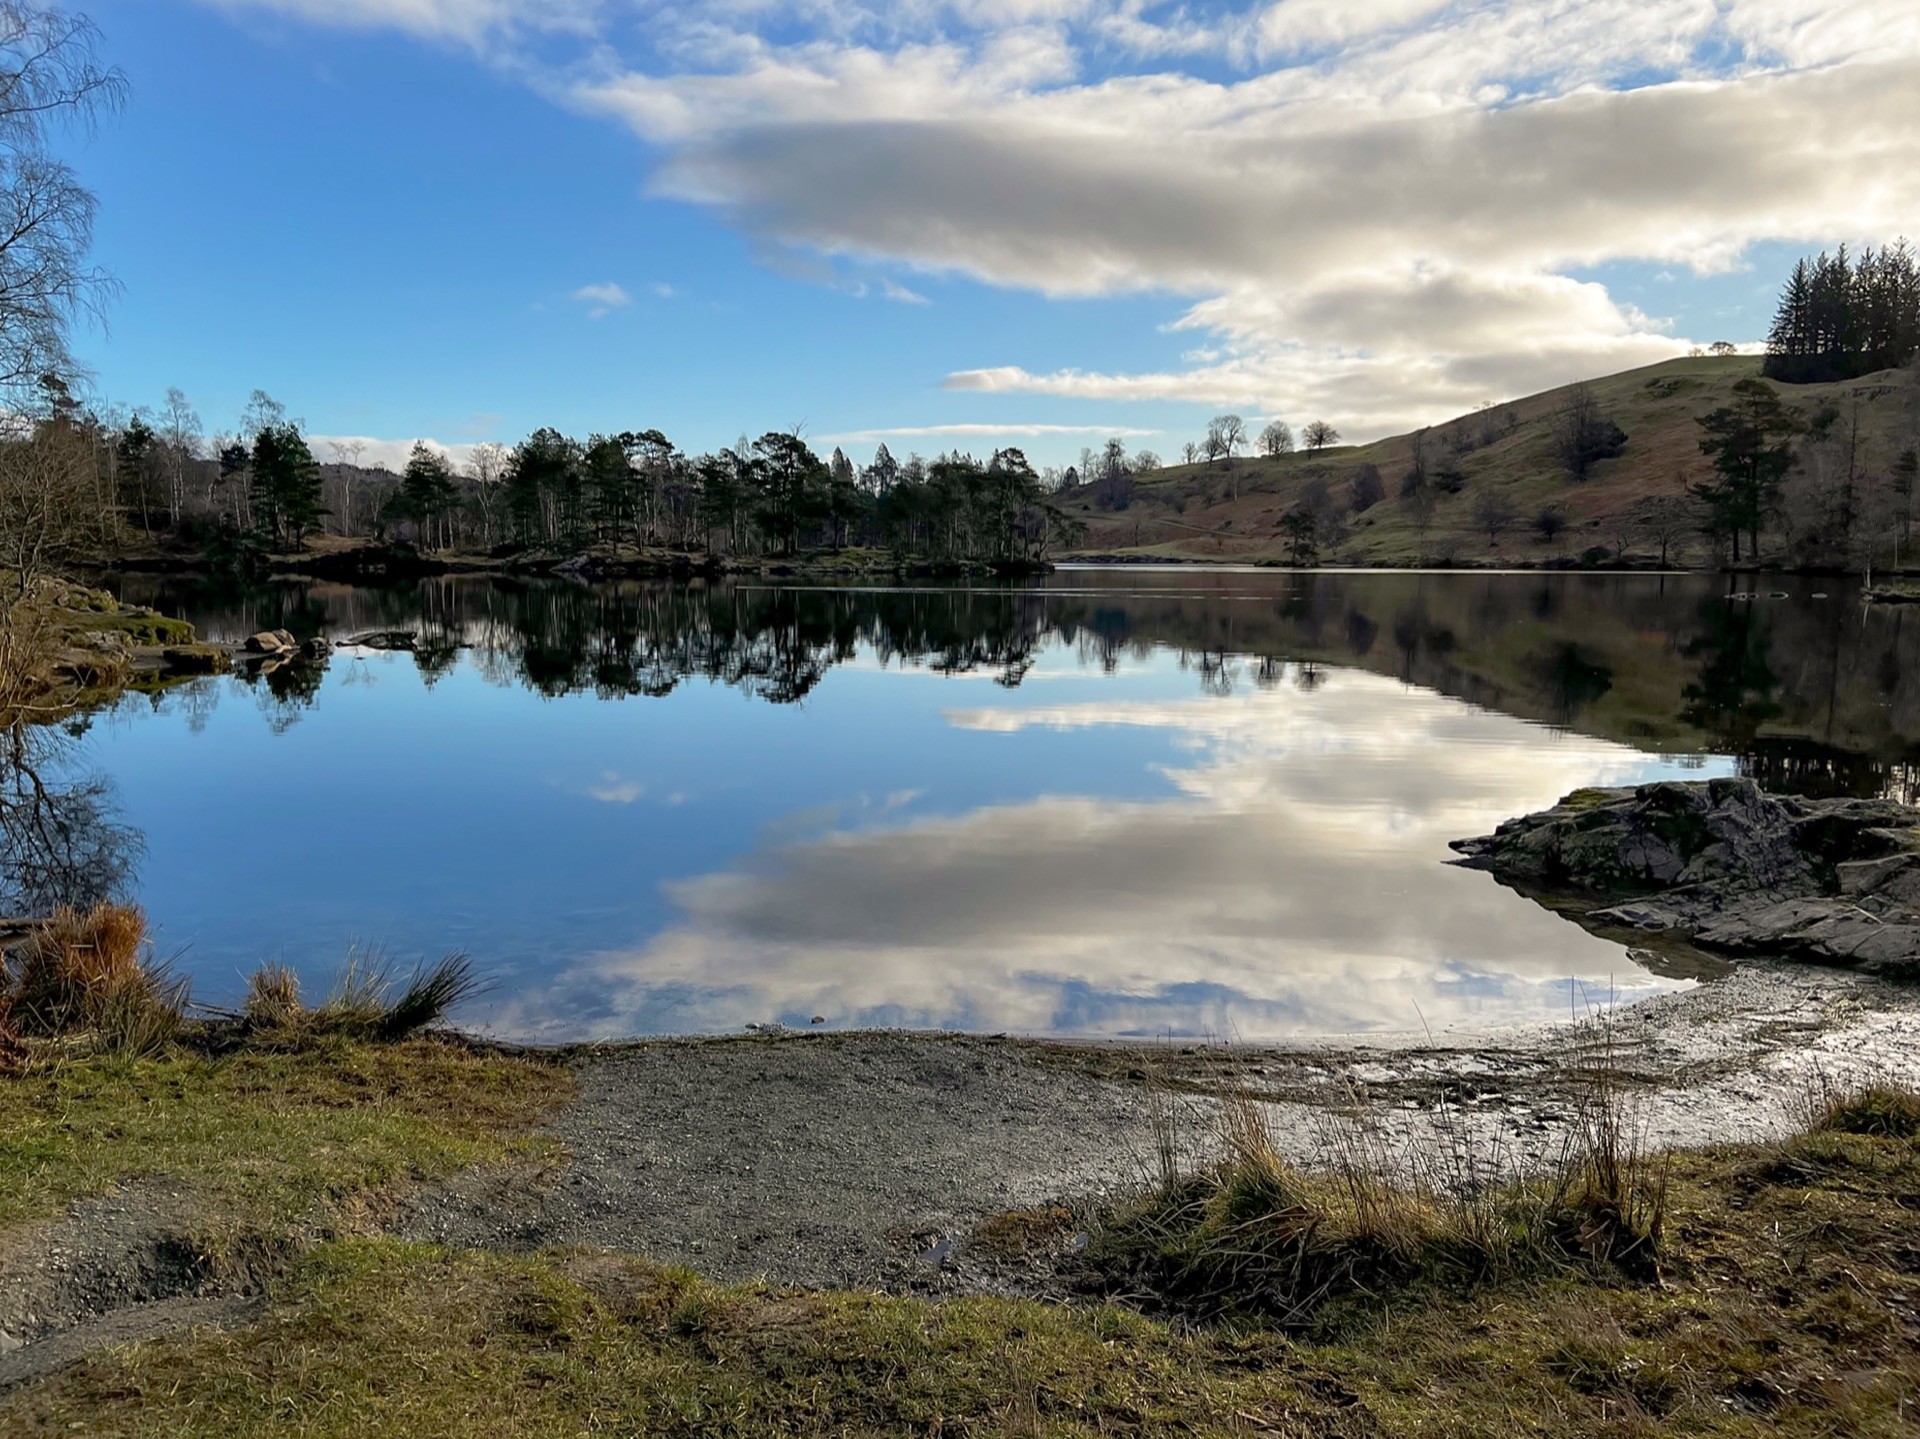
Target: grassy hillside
(1211, 512)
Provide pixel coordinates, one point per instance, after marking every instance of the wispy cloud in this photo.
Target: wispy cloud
(612, 789)
(468, 21)
(982, 431)
(602, 300)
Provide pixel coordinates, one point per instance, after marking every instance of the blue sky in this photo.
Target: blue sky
(1061, 217)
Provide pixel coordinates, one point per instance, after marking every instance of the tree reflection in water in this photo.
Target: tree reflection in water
(60, 839)
(1808, 690)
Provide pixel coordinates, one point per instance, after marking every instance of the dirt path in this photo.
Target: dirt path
(815, 1160)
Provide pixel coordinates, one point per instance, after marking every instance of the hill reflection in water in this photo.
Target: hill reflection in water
(1114, 803)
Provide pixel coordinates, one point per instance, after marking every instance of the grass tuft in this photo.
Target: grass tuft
(1248, 1234)
(1616, 1186)
(1882, 1107)
(362, 1004)
(91, 972)
(431, 994)
(273, 997)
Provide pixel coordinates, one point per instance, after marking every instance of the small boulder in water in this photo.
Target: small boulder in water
(270, 642)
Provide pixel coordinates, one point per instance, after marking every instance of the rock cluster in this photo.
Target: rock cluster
(1733, 868)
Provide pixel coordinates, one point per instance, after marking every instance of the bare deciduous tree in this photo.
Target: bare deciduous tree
(1276, 440)
(346, 455)
(1582, 435)
(51, 82)
(1318, 435)
(1493, 513)
(1670, 519)
(50, 510)
(180, 430)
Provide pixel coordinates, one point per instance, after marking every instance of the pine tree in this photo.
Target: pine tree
(1841, 316)
(285, 486)
(427, 494)
(130, 468)
(610, 488)
(1751, 445)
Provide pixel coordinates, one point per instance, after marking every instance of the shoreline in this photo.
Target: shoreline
(846, 1158)
(960, 1174)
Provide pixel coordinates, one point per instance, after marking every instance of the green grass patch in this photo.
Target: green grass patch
(266, 1135)
(1782, 1311)
(379, 1338)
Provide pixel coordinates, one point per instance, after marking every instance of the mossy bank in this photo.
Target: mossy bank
(70, 648)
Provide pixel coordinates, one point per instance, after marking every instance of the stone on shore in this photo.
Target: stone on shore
(1731, 867)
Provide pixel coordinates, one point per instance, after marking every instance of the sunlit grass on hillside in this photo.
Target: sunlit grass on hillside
(1203, 512)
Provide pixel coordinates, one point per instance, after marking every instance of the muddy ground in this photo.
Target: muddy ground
(866, 1159)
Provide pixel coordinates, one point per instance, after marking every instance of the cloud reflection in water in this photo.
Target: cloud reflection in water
(1296, 882)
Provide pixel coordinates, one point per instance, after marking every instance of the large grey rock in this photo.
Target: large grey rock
(1733, 868)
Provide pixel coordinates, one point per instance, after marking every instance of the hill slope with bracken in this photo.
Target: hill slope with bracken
(1501, 460)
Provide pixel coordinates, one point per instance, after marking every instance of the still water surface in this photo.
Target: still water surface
(1117, 802)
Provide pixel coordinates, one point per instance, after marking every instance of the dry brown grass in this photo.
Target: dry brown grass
(92, 972)
(273, 997)
(1248, 1232)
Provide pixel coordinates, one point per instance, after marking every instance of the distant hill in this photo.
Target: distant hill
(1209, 512)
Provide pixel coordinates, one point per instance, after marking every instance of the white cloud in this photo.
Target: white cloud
(900, 294)
(383, 454)
(981, 431)
(1381, 234)
(1373, 216)
(1294, 25)
(602, 300)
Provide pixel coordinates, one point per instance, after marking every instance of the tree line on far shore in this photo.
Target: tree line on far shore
(263, 487)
